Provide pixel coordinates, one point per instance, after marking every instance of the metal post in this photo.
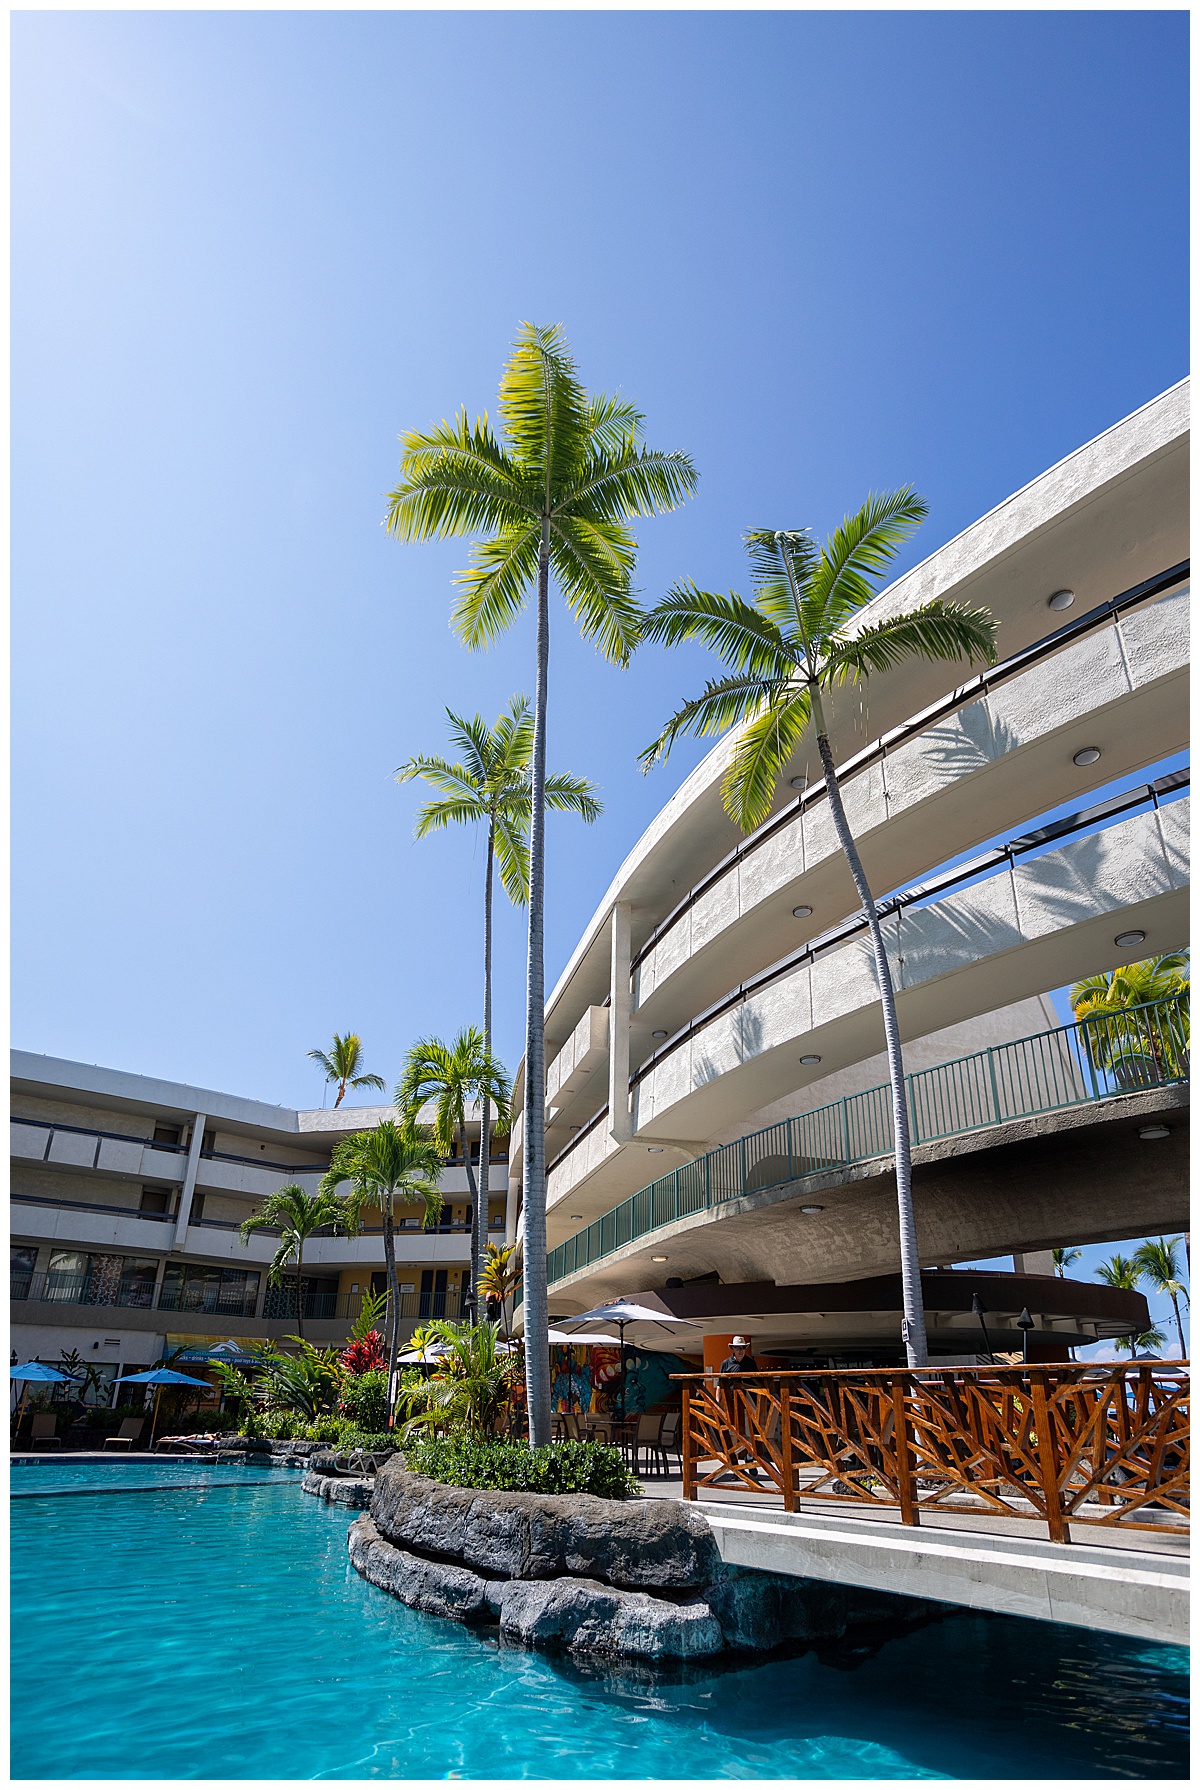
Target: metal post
(991, 1056)
(845, 1131)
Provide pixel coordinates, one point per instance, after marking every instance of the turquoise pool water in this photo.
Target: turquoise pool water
(225, 1636)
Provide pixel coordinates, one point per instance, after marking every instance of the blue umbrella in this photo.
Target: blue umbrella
(160, 1377)
(33, 1370)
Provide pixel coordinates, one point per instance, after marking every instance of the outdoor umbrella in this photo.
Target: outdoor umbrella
(33, 1370)
(160, 1377)
(622, 1312)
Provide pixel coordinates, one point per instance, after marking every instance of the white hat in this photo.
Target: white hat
(739, 1342)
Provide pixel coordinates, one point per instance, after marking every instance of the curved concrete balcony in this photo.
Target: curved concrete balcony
(968, 775)
(1033, 925)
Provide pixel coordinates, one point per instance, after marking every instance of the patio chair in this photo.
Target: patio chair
(129, 1432)
(668, 1440)
(43, 1430)
(645, 1438)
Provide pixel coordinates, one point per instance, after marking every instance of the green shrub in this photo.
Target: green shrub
(515, 1467)
(365, 1400)
(280, 1426)
(374, 1441)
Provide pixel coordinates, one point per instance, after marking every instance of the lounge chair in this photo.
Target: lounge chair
(43, 1430)
(128, 1434)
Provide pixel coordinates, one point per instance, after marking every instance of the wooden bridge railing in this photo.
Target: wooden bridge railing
(1079, 1443)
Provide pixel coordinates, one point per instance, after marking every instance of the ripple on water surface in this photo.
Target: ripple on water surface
(244, 1646)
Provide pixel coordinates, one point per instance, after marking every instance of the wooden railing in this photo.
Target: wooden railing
(1079, 1443)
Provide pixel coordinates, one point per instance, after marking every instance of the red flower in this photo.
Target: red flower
(360, 1357)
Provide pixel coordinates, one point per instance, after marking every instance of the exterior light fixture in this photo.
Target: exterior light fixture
(799, 782)
(1062, 599)
(1154, 1131)
(811, 1211)
(1024, 1325)
(801, 913)
(658, 1034)
(654, 1149)
(1089, 755)
(658, 1258)
(575, 1215)
(1127, 940)
(809, 1060)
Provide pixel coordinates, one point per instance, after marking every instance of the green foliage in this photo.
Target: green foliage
(392, 1159)
(497, 1466)
(374, 1305)
(800, 635)
(490, 784)
(343, 1065)
(453, 1077)
(471, 1382)
(365, 1399)
(1137, 1022)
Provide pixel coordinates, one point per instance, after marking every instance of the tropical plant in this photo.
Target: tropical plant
(556, 496)
(372, 1309)
(363, 1354)
(365, 1398)
(499, 1278)
(490, 786)
(1063, 1258)
(393, 1159)
(1158, 1260)
(1119, 1271)
(238, 1386)
(1150, 1342)
(343, 1065)
(501, 1466)
(1135, 1019)
(309, 1381)
(794, 643)
(298, 1215)
(453, 1078)
(470, 1384)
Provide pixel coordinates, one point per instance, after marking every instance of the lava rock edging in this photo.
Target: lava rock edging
(594, 1576)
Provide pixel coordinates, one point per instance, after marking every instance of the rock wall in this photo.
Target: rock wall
(636, 1580)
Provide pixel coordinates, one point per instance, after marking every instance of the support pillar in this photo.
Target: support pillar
(189, 1180)
(620, 1009)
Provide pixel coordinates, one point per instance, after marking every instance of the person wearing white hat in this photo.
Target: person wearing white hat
(740, 1361)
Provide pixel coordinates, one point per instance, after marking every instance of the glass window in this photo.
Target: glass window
(138, 1274)
(194, 1286)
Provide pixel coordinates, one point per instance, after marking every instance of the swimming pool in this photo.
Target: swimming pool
(221, 1633)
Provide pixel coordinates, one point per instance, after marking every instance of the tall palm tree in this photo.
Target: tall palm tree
(1158, 1260)
(380, 1164)
(794, 642)
(343, 1065)
(1120, 1271)
(1149, 1045)
(1063, 1259)
(490, 786)
(456, 1077)
(556, 495)
(298, 1215)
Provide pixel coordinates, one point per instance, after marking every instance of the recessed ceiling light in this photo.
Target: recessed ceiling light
(576, 1215)
(810, 1059)
(658, 1258)
(1149, 1131)
(1127, 939)
(658, 1034)
(1089, 755)
(801, 913)
(654, 1149)
(812, 1210)
(1062, 599)
(799, 782)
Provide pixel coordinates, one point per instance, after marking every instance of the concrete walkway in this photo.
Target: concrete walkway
(1129, 1582)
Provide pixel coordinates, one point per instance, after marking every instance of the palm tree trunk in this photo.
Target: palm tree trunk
(915, 1341)
(389, 1256)
(473, 1196)
(300, 1288)
(485, 1150)
(1179, 1327)
(537, 1348)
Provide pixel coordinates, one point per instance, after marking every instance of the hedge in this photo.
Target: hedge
(495, 1466)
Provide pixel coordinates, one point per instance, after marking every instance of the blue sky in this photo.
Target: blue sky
(823, 252)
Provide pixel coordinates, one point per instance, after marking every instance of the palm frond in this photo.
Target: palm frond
(456, 480)
(858, 551)
(774, 554)
(593, 562)
(764, 748)
(544, 406)
(492, 593)
(937, 630)
(748, 641)
(627, 482)
(725, 701)
(512, 855)
(573, 795)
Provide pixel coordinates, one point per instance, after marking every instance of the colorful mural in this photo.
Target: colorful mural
(587, 1377)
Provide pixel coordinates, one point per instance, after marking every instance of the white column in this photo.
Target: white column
(510, 1208)
(620, 1007)
(189, 1180)
(1037, 1261)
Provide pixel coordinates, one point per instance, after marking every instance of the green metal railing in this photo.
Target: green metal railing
(1126, 1052)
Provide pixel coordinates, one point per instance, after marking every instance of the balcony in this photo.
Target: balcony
(90, 1290)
